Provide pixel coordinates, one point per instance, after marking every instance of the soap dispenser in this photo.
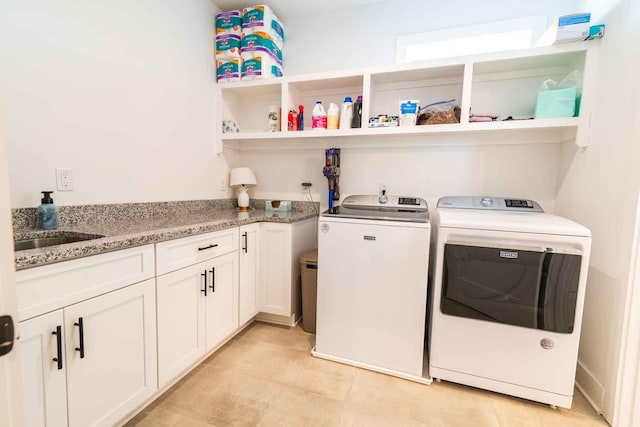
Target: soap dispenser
(47, 213)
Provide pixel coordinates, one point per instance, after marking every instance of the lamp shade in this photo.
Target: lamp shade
(242, 176)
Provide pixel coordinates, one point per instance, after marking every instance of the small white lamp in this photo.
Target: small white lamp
(242, 177)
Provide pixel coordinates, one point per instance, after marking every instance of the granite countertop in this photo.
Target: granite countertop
(135, 232)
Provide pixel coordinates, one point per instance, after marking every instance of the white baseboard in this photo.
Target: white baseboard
(276, 319)
(590, 387)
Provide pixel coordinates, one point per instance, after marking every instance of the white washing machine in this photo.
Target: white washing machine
(507, 297)
(373, 260)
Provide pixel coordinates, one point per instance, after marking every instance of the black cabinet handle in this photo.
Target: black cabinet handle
(244, 236)
(80, 325)
(208, 247)
(213, 279)
(58, 358)
(205, 282)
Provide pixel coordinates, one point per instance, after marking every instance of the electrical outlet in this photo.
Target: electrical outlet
(223, 184)
(64, 179)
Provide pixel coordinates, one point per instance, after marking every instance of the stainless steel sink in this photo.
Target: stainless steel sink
(57, 239)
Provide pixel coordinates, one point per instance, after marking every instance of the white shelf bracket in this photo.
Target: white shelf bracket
(465, 103)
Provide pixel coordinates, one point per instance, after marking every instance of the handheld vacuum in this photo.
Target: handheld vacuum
(332, 171)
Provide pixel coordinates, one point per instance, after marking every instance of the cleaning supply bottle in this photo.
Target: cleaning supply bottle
(346, 113)
(356, 122)
(333, 116)
(274, 119)
(300, 117)
(47, 213)
(319, 117)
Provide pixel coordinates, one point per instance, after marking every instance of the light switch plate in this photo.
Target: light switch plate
(64, 179)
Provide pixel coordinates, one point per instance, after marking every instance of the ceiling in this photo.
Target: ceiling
(288, 9)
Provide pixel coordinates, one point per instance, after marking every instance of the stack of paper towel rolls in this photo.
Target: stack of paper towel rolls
(249, 44)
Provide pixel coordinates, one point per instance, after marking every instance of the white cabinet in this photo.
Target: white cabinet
(221, 308)
(197, 304)
(117, 307)
(174, 254)
(105, 351)
(180, 320)
(111, 349)
(281, 245)
(249, 271)
(503, 83)
(43, 372)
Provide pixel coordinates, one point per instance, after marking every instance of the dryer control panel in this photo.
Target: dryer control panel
(489, 203)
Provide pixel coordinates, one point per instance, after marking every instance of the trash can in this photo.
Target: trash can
(309, 274)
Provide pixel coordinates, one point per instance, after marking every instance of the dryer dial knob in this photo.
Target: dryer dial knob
(486, 201)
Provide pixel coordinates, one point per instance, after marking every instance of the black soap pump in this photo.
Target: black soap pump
(47, 213)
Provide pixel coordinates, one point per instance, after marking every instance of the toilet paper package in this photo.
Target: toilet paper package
(228, 70)
(227, 46)
(260, 66)
(259, 42)
(229, 22)
(262, 18)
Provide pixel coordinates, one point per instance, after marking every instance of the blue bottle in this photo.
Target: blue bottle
(47, 213)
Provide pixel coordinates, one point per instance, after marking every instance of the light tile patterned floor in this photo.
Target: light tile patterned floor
(266, 377)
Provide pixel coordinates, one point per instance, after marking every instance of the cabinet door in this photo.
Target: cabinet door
(275, 269)
(221, 309)
(181, 302)
(43, 379)
(249, 271)
(111, 348)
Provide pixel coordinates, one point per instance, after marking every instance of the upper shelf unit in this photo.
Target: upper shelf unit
(503, 84)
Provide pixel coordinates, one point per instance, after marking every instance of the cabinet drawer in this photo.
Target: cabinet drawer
(50, 287)
(174, 254)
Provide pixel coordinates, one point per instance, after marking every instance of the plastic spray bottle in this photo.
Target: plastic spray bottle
(300, 117)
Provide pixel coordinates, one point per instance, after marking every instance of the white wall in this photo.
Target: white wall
(121, 92)
(365, 36)
(522, 170)
(600, 190)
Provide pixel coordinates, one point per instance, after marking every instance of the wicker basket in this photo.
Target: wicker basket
(309, 273)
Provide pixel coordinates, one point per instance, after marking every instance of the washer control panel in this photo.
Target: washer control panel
(410, 201)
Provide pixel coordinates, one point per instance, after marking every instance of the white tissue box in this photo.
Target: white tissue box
(278, 205)
(572, 28)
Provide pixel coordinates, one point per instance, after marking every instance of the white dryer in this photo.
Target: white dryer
(507, 297)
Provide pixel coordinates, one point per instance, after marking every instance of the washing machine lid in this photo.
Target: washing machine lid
(373, 207)
(513, 221)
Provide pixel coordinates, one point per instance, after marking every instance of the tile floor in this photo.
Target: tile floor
(266, 376)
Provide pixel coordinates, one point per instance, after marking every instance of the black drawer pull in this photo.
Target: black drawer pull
(213, 279)
(58, 334)
(80, 325)
(208, 247)
(205, 282)
(312, 266)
